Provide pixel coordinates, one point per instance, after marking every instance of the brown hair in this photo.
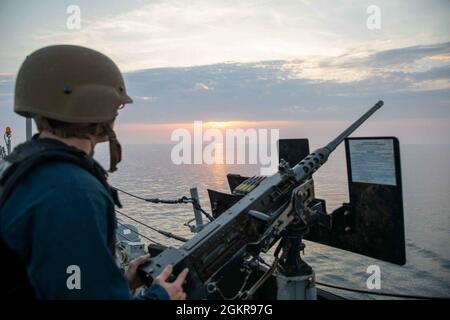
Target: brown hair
(82, 130)
(68, 130)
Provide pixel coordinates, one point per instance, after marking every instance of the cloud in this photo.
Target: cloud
(408, 55)
(308, 109)
(6, 93)
(361, 63)
(300, 90)
(320, 88)
(186, 33)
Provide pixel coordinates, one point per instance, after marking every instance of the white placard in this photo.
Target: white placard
(372, 161)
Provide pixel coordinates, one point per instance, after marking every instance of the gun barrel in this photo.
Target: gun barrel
(315, 160)
(336, 142)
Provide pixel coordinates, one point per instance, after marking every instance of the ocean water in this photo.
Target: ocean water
(147, 170)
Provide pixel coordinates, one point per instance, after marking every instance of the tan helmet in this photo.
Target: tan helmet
(72, 84)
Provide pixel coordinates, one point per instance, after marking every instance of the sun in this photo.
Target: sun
(217, 124)
(225, 124)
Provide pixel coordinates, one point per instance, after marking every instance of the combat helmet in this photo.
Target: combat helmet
(75, 86)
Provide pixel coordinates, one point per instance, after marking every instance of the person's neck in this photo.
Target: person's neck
(82, 144)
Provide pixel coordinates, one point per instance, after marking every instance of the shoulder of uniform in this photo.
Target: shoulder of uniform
(64, 174)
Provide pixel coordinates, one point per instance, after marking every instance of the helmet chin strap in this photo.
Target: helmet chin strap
(105, 129)
(115, 150)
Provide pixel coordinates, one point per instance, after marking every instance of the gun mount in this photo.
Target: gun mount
(260, 212)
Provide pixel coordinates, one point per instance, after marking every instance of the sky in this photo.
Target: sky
(307, 68)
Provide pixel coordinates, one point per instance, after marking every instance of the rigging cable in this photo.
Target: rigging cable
(169, 201)
(164, 233)
(198, 207)
(386, 294)
(140, 234)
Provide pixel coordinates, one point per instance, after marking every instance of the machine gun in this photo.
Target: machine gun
(263, 210)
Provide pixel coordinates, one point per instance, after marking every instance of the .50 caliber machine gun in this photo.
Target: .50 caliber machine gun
(264, 210)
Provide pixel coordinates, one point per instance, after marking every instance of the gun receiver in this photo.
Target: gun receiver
(253, 224)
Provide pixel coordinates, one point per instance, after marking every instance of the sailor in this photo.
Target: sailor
(57, 211)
